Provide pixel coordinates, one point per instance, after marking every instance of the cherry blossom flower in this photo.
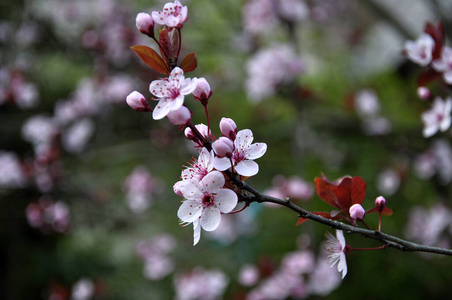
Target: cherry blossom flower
(145, 23)
(137, 101)
(205, 201)
(438, 117)
(357, 212)
(199, 167)
(200, 284)
(444, 64)
(420, 51)
(83, 289)
(243, 156)
(337, 249)
(170, 92)
(173, 15)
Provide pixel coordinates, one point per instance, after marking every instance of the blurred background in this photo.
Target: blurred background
(87, 209)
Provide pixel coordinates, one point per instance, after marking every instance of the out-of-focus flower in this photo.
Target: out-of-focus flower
(438, 117)
(83, 289)
(200, 284)
(75, 137)
(244, 155)
(337, 249)
(293, 10)
(388, 181)
(444, 64)
(420, 51)
(269, 68)
(173, 15)
(259, 15)
(12, 174)
(205, 201)
(170, 92)
(248, 275)
(48, 216)
(423, 93)
(293, 187)
(154, 252)
(40, 130)
(323, 280)
(367, 104)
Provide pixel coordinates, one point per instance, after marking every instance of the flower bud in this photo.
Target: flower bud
(357, 212)
(423, 93)
(180, 116)
(137, 101)
(223, 147)
(202, 91)
(228, 128)
(380, 203)
(145, 23)
(176, 188)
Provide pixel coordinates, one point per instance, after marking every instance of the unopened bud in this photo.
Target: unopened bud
(357, 212)
(137, 101)
(202, 91)
(145, 23)
(423, 93)
(179, 117)
(223, 147)
(380, 203)
(176, 188)
(228, 128)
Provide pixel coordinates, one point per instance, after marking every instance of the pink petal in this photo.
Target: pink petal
(256, 150)
(158, 88)
(243, 139)
(212, 182)
(342, 265)
(247, 168)
(177, 75)
(210, 219)
(221, 164)
(162, 109)
(189, 211)
(225, 200)
(191, 190)
(196, 232)
(188, 86)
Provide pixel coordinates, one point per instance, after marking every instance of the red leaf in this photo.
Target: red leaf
(166, 49)
(427, 76)
(344, 193)
(152, 59)
(437, 33)
(189, 63)
(326, 191)
(358, 190)
(387, 211)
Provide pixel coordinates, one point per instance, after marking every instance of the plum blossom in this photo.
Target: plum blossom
(337, 249)
(170, 92)
(173, 15)
(12, 174)
(200, 284)
(243, 156)
(145, 23)
(438, 117)
(154, 252)
(83, 289)
(420, 51)
(205, 201)
(249, 275)
(199, 167)
(444, 64)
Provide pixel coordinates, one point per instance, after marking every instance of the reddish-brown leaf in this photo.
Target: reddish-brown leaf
(358, 190)
(427, 76)
(387, 211)
(437, 33)
(166, 49)
(189, 63)
(344, 193)
(152, 59)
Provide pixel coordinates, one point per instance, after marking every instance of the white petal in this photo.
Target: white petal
(340, 237)
(221, 164)
(256, 150)
(342, 265)
(189, 211)
(448, 77)
(247, 168)
(162, 109)
(243, 139)
(445, 124)
(429, 130)
(196, 232)
(177, 74)
(188, 86)
(210, 218)
(205, 159)
(158, 88)
(212, 182)
(191, 190)
(177, 103)
(225, 200)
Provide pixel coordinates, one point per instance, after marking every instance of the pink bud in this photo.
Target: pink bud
(145, 23)
(228, 128)
(202, 91)
(223, 147)
(423, 93)
(176, 188)
(179, 117)
(137, 101)
(357, 212)
(380, 203)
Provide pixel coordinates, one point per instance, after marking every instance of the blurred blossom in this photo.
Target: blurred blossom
(293, 187)
(200, 284)
(139, 187)
(117, 87)
(388, 181)
(83, 289)
(15, 88)
(444, 64)
(436, 160)
(279, 286)
(377, 126)
(259, 16)
(323, 280)
(154, 252)
(367, 104)
(426, 226)
(293, 10)
(77, 135)
(420, 51)
(27, 34)
(438, 117)
(424, 165)
(12, 174)
(248, 275)
(233, 227)
(299, 262)
(270, 67)
(40, 130)
(48, 215)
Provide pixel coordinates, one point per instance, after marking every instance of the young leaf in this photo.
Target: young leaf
(344, 193)
(152, 59)
(189, 63)
(326, 191)
(358, 190)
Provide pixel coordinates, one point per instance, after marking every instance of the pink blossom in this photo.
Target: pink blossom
(12, 174)
(180, 116)
(170, 92)
(76, 137)
(293, 10)
(444, 64)
(145, 23)
(203, 130)
(380, 203)
(336, 248)
(258, 16)
(203, 91)
(423, 93)
(139, 187)
(293, 187)
(173, 15)
(199, 167)
(137, 101)
(420, 51)
(228, 128)
(244, 155)
(438, 117)
(83, 289)
(223, 147)
(249, 275)
(200, 284)
(357, 212)
(205, 201)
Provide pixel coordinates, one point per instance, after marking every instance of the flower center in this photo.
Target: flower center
(173, 93)
(207, 200)
(238, 156)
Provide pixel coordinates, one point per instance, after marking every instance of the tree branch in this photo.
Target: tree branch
(253, 195)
